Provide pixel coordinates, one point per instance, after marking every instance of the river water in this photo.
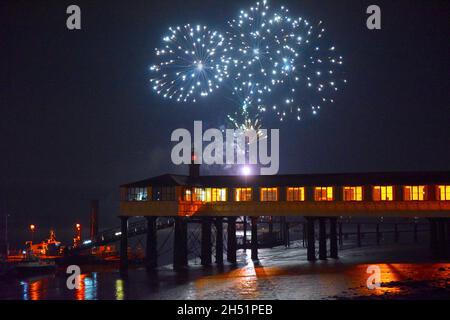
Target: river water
(281, 273)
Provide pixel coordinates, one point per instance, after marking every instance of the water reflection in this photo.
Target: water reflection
(33, 289)
(119, 290)
(269, 279)
(87, 287)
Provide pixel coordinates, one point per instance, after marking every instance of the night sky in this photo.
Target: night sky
(78, 116)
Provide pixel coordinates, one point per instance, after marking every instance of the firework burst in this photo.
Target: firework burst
(312, 79)
(273, 63)
(189, 63)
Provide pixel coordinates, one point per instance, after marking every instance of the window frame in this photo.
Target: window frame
(446, 192)
(248, 194)
(264, 194)
(355, 193)
(295, 194)
(381, 192)
(322, 189)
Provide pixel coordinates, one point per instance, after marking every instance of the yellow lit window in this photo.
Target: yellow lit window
(323, 194)
(269, 194)
(199, 194)
(443, 193)
(295, 194)
(210, 194)
(187, 195)
(414, 193)
(383, 193)
(218, 194)
(353, 194)
(243, 194)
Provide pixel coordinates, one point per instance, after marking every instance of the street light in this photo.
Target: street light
(32, 228)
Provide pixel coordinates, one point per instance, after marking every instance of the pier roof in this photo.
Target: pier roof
(366, 178)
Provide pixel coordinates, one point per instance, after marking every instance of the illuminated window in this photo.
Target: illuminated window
(218, 194)
(137, 194)
(414, 193)
(443, 193)
(323, 194)
(210, 194)
(199, 194)
(163, 193)
(188, 195)
(295, 194)
(269, 194)
(383, 193)
(352, 193)
(243, 194)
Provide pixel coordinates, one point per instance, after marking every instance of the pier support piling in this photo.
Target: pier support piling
(333, 239)
(244, 239)
(433, 237)
(254, 238)
(206, 250)
(441, 238)
(447, 242)
(378, 235)
(287, 238)
(311, 241)
(123, 245)
(219, 240)
(271, 235)
(416, 237)
(358, 235)
(322, 239)
(396, 235)
(180, 250)
(232, 242)
(151, 251)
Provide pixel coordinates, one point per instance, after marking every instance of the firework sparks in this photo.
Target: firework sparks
(189, 63)
(271, 61)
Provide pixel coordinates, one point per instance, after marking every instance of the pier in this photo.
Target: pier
(218, 202)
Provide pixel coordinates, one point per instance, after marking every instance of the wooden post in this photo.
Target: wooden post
(433, 237)
(123, 245)
(441, 237)
(271, 236)
(219, 240)
(322, 239)
(396, 236)
(180, 250)
(305, 240)
(254, 238)
(378, 234)
(244, 240)
(206, 250)
(311, 244)
(151, 254)
(416, 237)
(358, 235)
(286, 234)
(232, 242)
(333, 239)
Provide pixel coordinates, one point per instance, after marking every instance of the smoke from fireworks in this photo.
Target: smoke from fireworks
(272, 63)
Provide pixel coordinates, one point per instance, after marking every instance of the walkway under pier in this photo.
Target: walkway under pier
(322, 239)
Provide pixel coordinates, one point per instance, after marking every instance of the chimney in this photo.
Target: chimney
(194, 169)
(94, 219)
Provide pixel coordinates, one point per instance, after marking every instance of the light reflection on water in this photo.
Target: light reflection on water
(119, 290)
(248, 281)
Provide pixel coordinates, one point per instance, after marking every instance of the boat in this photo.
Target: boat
(33, 266)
